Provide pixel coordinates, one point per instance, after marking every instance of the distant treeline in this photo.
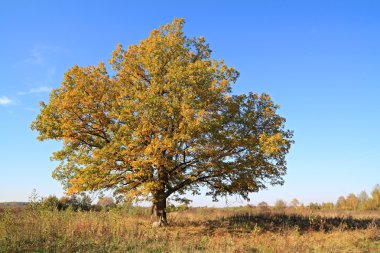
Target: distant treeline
(13, 204)
(80, 202)
(352, 202)
(83, 202)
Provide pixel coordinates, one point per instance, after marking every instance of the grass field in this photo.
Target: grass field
(243, 229)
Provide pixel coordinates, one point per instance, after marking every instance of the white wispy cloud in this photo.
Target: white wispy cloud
(39, 55)
(30, 109)
(5, 100)
(36, 57)
(40, 89)
(40, 69)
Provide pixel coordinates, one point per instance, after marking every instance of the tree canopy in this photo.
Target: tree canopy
(163, 122)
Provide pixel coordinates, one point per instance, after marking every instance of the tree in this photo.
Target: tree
(327, 206)
(106, 203)
(314, 206)
(263, 206)
(163, 124)
(294, 203)
(341, 203)
(85, 203)
(363, 197)
(280, 204)
(375, 194)
(75, 202)
(50, 203)
(352, 202)
(34, 199)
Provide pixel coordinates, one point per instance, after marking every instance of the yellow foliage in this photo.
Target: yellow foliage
(165, 122)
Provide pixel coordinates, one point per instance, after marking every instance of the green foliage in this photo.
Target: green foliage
(75, 203)
(50, 203)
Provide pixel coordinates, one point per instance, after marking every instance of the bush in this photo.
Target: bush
(50, 203)
(280, 205)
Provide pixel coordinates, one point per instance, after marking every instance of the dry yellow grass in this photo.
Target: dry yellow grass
(195, 230)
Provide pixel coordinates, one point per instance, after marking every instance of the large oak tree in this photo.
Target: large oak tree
(163, 123)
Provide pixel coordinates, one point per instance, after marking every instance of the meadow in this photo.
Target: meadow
(234, 229)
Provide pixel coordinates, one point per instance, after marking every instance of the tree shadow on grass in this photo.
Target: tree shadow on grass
(278, 222)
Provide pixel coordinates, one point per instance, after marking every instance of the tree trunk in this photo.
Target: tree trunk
(158, 216)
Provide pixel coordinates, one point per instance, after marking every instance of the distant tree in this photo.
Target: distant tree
(34, 200)
(352, 202)
(85, 203)
(294, 203)
(263, 206)
(314, 206)
(341, 203)
(362, 197)
(106, 203)
(375, 197)
(50, 203)
(75, 203)
(367, 205)
(280, 204)
(64, 203)
(164, 124)
(327, 206)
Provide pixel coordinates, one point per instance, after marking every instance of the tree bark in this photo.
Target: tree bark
(158, 215)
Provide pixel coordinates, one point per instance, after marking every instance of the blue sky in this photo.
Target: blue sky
(320, 60)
